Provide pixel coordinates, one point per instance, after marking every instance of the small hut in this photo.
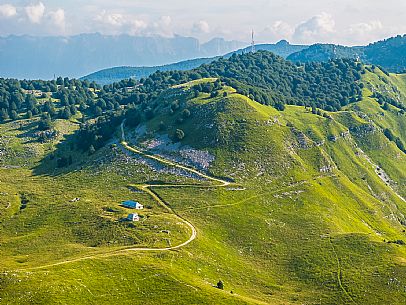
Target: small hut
(133, 217)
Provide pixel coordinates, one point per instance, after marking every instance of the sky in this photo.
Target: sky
(345, 22)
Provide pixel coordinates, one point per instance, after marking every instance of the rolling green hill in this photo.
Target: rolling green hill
(301, 205)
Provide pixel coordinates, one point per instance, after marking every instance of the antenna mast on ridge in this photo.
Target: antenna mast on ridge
(252, 42)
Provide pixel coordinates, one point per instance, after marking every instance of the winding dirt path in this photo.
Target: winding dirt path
(340, 273)
(170, 163)
(147, 188)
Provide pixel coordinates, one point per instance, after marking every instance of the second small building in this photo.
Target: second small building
(133, 217)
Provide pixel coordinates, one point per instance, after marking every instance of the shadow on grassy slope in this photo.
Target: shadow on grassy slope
(64, 158)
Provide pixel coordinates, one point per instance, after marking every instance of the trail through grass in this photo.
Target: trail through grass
(147, 188)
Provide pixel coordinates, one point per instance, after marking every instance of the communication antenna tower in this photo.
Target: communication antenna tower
(252, 42)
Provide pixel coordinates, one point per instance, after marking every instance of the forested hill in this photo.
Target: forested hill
(271, 80)
(266, 78)
(389, 53)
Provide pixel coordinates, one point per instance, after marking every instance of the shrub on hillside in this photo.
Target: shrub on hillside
(220, 285)
(179, 135)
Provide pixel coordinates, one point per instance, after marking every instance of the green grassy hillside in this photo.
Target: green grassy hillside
(313, 213)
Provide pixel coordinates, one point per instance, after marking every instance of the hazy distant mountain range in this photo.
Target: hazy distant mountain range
(43, 57)
(75, 56)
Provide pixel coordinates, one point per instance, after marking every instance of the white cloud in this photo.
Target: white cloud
(272, 20)
(277, 31)
(162, 27)
(137, 27)
(363, 29)
(319, 28)
(58, 18)
(7, 10)
(113, 19)
(165, 21)
(117, 23)
(201, 27)
(35, 12)
(370, 31)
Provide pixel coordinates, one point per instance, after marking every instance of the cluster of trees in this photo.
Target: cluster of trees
(390, 53)
(263, 76)
(24, 99)
(271, 80)
(267, 78)
(92, 136)
(374, 67)
(386, 100)
(391, 137)
(208, 87)
(63, 98)
(11, 99)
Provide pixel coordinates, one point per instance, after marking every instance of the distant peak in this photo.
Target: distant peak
(283, 42)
